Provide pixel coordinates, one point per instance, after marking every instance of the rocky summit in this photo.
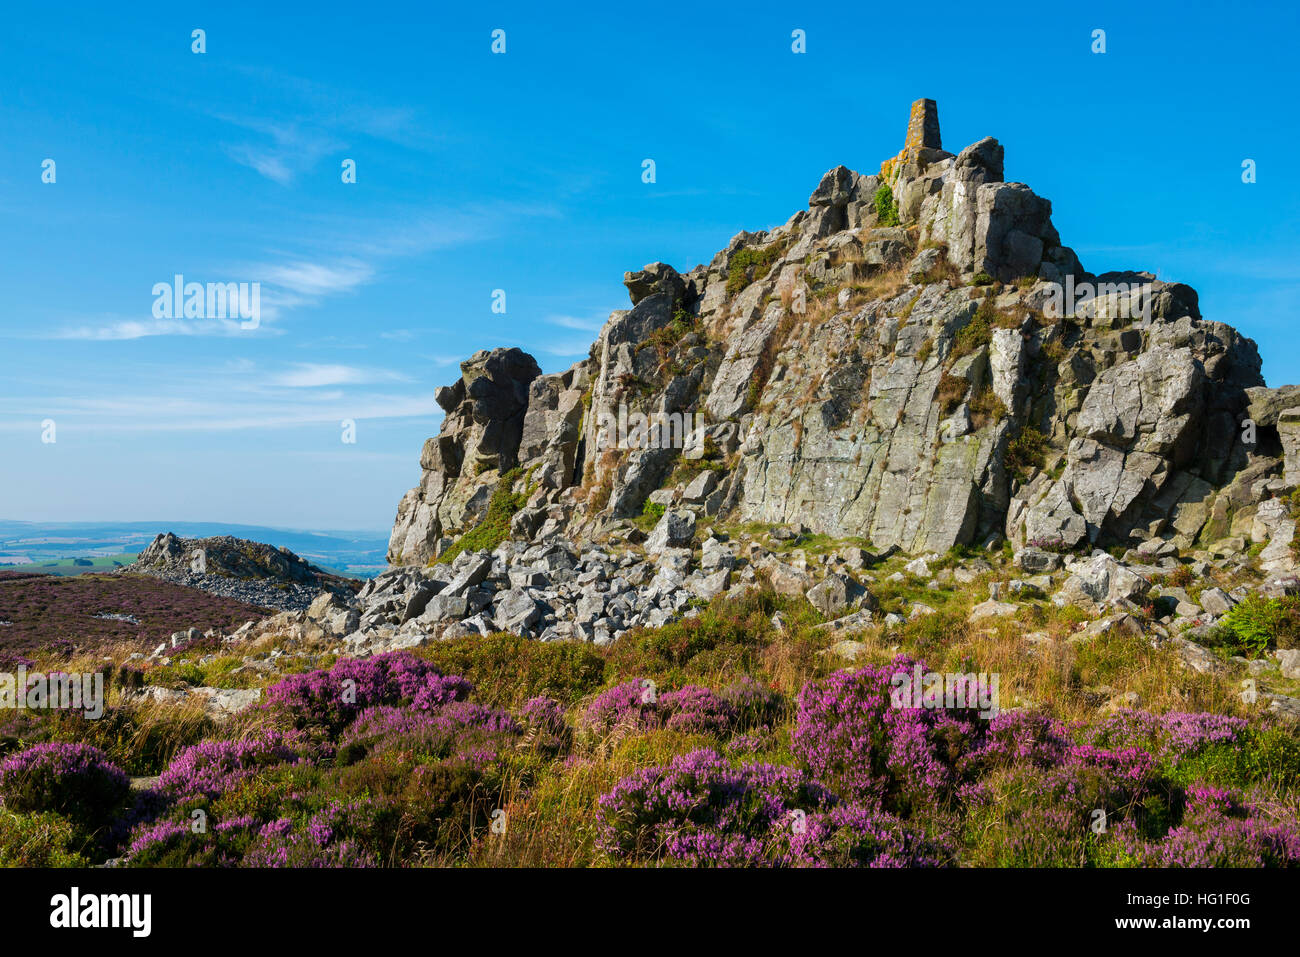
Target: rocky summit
(916, 361)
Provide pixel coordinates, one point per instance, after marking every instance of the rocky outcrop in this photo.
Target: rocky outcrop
(237, 568)
(916, 360)
(483, 428)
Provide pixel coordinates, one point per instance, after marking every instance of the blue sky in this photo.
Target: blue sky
(522, 172)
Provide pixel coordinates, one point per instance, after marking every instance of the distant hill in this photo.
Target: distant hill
(52, 547)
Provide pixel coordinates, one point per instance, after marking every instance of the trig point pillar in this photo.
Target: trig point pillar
(922, 134)
(923, 126)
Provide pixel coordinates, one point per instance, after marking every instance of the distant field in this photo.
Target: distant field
(76, 566)
(37, 610)
(55, 548)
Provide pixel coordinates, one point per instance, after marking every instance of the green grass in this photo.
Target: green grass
(758, 260)
(495, 526)
(78, 566)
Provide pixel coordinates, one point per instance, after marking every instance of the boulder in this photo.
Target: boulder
(675, 529)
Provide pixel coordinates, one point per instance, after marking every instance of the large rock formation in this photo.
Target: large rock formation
(249, 571)
(916, 360)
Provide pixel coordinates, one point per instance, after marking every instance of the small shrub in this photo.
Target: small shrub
(1026, 451)
(950, 392)
(332, 699)
(986, 409)
(748, 265)
(970, 337)
(38, 840)
(886, 208)
(702, 811)
(211, 768)
(851, 738)
(74, 780)
(696, 710)
(1257, 624)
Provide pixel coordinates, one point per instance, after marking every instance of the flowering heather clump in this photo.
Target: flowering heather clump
(333, 698)
(544, 713)
(11, 661)
(75, 780)
(702, 811)
(1020, 737)
(437, 690)
(152, 838)
(1170, 737)
(1218, 829)
(745, 744)
(244, 842)
(211, 768)
(625, 705)
(696, 710)
(321, 842)
(692, 709)
(849, 835)
(854, 741)
(1050, 545)
(174, 844)
(461, 729)
(755, 704)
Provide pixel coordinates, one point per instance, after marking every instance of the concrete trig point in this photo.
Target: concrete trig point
(922, 134)
(923, 126)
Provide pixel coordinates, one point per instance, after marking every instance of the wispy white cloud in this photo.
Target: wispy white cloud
(592, 324)
(315, 280)
(312, 375)
(283, 150)
(111, 329)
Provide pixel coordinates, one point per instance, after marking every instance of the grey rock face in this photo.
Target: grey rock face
(655, 278)
(479, 440)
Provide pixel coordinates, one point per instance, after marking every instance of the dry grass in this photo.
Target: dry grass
(950, 392)
(886, 284)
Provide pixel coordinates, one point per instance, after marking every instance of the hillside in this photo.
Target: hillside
(891, 537)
